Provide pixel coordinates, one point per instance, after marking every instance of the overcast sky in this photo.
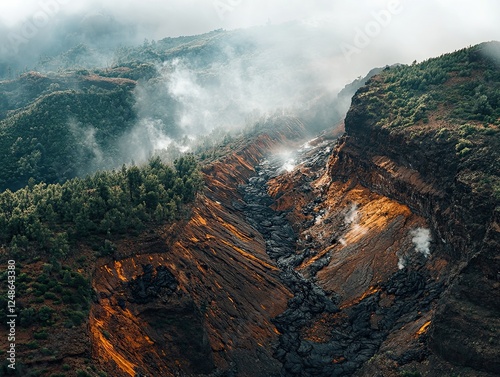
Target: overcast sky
(414, 29)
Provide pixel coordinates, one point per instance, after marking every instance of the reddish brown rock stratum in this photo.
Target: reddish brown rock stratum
(212, 310)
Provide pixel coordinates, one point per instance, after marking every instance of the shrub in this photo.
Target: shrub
(106, 334)
(27, 317)
(76, 317)
(45, 315)
(50, 296)
(32, 345)
(41, 335)
(82, 373)
(46, 351)
(47, 268)
(108, 249)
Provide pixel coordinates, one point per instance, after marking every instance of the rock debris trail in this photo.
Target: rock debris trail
(353, 340)
(309, 299)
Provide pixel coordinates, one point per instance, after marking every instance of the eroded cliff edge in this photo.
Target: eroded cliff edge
(423, 165)
(463, 321)
(453, 189)
(401, 229)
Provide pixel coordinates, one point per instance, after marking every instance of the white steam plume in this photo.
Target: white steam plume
(352, 216)
(422, 239)
(401, 262)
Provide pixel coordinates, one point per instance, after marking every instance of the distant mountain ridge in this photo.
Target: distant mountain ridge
(160, 93)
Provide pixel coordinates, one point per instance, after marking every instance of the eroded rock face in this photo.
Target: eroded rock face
(196, 298)
(152, 283)
(395, 247)
(467, 325)
(424, 175)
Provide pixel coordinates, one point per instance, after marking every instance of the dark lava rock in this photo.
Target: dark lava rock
(152, 283)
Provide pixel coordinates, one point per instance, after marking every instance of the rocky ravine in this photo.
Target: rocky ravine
(329, 268)
(309, 300)
(196, 298)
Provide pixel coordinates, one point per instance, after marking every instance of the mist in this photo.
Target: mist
(276, 58)
(411, 31)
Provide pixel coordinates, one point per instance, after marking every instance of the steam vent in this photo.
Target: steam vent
(223, 205)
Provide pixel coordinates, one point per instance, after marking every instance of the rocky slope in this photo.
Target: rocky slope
(197, 298)
(402, 240)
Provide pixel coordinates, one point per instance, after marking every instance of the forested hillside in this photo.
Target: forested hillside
(47, 219)
(62, 133)
(452, 100)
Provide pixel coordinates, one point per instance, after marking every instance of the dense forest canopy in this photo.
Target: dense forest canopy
(43, 218)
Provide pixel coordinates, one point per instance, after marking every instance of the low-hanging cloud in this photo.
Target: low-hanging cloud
(239, 78)
(295, 68)
(47, 26)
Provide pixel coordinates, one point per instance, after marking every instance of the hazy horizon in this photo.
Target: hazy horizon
(369, 33)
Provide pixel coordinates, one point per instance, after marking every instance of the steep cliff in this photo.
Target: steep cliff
(455, 191)
(401, 229)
